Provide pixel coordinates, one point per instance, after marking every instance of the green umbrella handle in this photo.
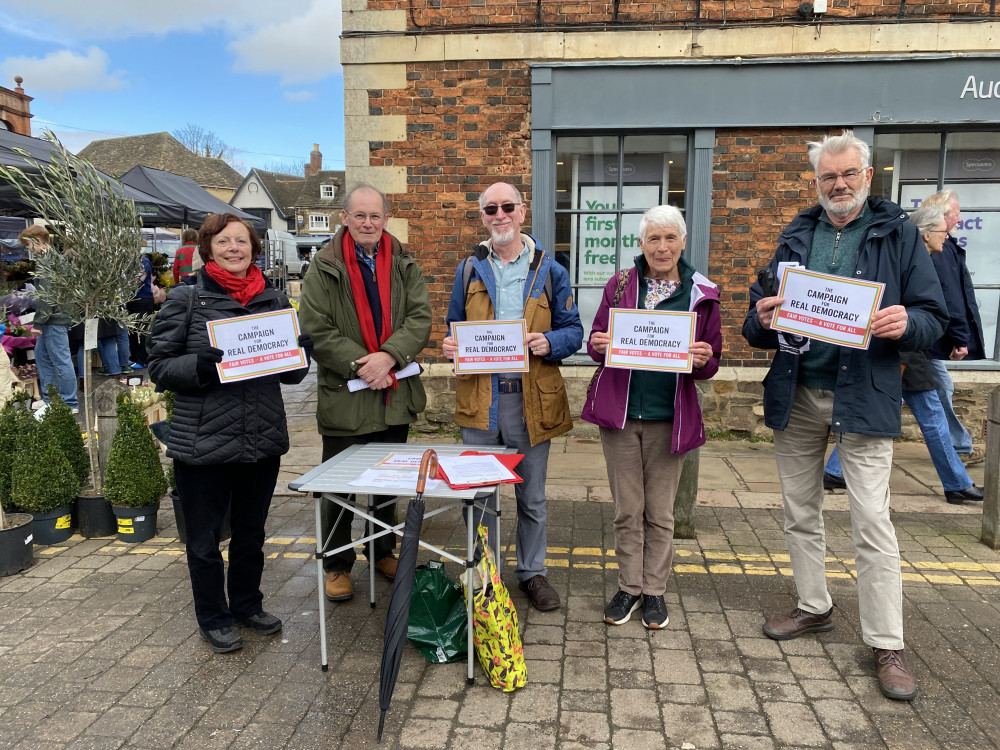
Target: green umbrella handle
(428, 468)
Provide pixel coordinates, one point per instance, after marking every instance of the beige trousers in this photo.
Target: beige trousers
(643, 475)
(800, 450)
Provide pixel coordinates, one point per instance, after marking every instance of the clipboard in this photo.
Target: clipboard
(509, 460)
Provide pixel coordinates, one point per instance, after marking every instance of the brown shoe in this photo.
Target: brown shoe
(975, 457)
(387, 566)
(338, 587)
(541, 595)
(795, 623)
(895, 679)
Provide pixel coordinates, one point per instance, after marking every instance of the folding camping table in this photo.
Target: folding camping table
(331, 482)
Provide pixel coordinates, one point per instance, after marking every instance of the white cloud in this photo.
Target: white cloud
(301, 49)
(64, 70)
(300, 96)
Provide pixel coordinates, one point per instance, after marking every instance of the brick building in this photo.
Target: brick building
(597, 110)
(15, 109)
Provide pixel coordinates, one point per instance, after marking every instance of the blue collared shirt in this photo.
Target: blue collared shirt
(510, 278)
(363, 257)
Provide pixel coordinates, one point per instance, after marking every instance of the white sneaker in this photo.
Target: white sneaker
(40, 411)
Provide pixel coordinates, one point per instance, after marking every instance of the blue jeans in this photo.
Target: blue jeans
(960, 436)
(55, 363)
(114, 351)
(926, 408)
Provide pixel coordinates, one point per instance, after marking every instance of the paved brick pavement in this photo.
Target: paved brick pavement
(99, 649)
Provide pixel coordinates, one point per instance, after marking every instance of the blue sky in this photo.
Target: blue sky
(264, 76)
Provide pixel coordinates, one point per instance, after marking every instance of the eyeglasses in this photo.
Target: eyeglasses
(508, 208)
(851, 177)
(373, 218)
(936, 231)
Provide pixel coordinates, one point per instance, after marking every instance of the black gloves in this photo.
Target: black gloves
(306, 342)
(205, 366)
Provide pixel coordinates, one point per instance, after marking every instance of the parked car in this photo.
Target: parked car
(282, 249)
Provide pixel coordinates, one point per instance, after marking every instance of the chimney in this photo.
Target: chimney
(315, 161)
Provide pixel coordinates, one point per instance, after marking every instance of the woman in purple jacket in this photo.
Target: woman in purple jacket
(650, 419)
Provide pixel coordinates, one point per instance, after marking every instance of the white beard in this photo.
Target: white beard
(844, 209)
(503, 237)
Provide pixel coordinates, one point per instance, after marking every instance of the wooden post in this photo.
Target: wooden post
(686, 500)
(991, 487)
(106, 408)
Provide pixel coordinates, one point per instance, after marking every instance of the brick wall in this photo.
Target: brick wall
(468, 126)
(438, 14)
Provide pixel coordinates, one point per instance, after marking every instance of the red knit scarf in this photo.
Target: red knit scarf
(383, 278)
(241, 290)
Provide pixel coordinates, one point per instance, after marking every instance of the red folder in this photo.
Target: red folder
(510, 460)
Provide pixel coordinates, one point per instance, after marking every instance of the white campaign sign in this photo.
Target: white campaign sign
(256, 345)
(650, 340)
(490, 346)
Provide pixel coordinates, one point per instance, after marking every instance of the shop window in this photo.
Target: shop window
(603, 186)
(911, 166)
(319, 222)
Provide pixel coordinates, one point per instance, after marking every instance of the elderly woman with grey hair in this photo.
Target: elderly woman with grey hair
(920, 394)
(650, 419)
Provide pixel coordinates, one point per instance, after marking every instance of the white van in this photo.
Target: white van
(282, 249)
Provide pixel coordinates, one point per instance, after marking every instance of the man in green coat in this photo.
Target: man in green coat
(364, 303)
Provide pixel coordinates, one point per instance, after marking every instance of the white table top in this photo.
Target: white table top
(337, 474)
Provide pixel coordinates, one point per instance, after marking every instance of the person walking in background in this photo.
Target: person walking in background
(184, 257)
(812, 391)
(142, 304)
(226, 439)
(364, 302)
(921, 395)
(512, 277)
(649, 420)
(963, 339)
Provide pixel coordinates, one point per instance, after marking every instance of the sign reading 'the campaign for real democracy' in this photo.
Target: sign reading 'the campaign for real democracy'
(828, 308)
(256, 345)
(650, 340)
(490, 346)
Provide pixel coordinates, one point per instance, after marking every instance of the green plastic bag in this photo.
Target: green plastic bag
(438, 626)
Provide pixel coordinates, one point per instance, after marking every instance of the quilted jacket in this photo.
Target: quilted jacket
(239, 422)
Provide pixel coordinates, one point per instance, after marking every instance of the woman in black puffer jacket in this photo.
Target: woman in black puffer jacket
(226, 439)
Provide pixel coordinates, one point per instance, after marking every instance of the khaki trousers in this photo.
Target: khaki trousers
(800, 450)
(643, 475)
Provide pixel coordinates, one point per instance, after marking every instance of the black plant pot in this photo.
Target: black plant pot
(136, 524)
(16, 544)
(52, 527)
(95, 516)
(182, 527)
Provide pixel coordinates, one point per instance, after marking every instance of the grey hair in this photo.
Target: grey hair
(364, 186)
(517, 193)
(927, 217)
(942, 199)
(662, 216)
(838, 144)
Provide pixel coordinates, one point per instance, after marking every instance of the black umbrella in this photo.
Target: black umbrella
(397, 620)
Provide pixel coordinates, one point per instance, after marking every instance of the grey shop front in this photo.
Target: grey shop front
(611, 140)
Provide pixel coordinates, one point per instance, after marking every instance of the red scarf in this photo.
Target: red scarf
(383, 277)
(241, 290)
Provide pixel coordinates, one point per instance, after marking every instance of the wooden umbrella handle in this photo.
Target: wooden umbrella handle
(428, 468)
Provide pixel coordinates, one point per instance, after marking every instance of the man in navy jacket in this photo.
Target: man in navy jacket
(814, 388)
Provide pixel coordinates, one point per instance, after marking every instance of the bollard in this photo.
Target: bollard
(686, 500)
(991, 487)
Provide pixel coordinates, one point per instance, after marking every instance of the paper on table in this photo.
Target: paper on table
(400, 461)
(359, 385)
(474, 470)
(392, 479)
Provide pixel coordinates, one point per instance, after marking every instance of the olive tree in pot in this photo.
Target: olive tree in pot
(135, 481)
(16, 550)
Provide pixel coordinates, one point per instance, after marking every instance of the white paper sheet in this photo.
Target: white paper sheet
(474, 470)
(392, 479)
(358, 384)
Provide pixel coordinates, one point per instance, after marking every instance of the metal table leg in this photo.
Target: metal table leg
(321, 587)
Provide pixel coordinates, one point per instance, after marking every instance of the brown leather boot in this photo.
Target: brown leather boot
(338, 587)
(895, 679)
(797, 622)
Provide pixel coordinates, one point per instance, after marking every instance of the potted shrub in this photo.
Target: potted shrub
(135, 481)
(16, 550)
(42, 480)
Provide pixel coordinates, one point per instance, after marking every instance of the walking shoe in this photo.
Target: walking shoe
(895, 679)
(833, 482)
(222, 640)
(387, 566)
(540, 593)
(973, 494)
(338, 587)
(654, 612)
(262, 623)
(136, 366)
(620, 610)
(975, 457)
(795, 623)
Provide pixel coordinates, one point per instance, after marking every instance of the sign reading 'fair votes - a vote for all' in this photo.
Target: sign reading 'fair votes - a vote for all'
(650, 340)
(828, 308)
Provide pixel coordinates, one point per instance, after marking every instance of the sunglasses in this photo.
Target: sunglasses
(508, 208)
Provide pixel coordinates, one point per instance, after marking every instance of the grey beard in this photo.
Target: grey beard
(844, 209)
(503, 238)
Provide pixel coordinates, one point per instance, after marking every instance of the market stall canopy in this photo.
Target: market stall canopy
(154, 211)
(198, 203)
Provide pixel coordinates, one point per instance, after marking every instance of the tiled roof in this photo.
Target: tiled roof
(117, 156)
(284, 189)
(309, 195)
